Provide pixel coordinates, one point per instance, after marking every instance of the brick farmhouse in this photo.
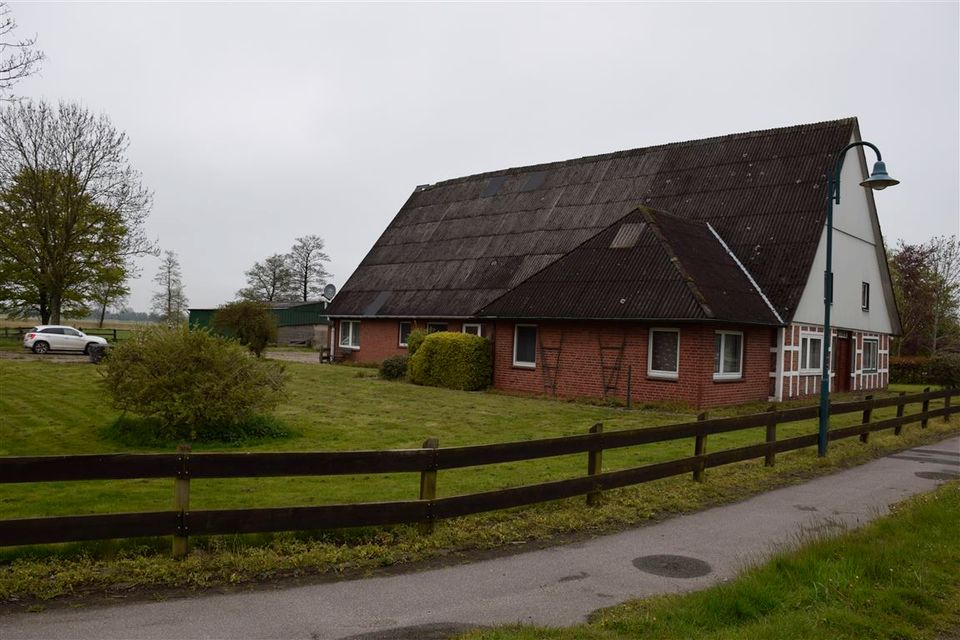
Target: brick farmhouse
(694, 268)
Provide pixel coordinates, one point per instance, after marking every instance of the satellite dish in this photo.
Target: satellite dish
(329, 291)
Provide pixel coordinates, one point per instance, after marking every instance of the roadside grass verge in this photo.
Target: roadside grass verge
(334, 408)
(898, 577)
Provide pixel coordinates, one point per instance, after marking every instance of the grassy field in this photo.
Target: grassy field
(48, 408)
(896, 578)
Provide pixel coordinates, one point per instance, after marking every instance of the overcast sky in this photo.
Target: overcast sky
(257, 123)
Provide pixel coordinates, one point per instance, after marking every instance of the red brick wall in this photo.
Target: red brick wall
(580, 372)
(379, 339)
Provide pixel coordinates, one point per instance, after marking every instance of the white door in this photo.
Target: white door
(73, 340)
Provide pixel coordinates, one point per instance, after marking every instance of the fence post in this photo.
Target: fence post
(865, 436)
(770, 458)
(900, 407)
(594, 466)
(926, 407)
(700, 448)
(946, 406)
(428, 485)
(181, 500)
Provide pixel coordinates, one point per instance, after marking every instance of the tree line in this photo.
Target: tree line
(926, 282)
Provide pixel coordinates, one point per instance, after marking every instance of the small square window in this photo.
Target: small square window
(473, 329)
(525, 346)
(350, 334)
(405, 328)
(865, 296)
(728, 356)
(663, 353)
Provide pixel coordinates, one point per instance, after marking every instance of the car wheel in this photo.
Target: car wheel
(40, 347)
(86, 349)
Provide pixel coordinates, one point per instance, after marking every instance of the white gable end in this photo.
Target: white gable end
(857, 255)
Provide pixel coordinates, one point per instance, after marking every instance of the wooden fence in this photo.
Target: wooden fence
(184, 466)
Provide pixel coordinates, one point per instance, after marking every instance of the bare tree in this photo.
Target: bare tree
(18, 58)
(169, 301)
(269, 281)
(945, 272)
(72, 209)
(307, 262)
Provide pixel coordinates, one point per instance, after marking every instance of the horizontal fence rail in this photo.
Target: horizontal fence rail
(183, 466)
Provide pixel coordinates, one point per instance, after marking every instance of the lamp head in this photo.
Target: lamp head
(879, 179)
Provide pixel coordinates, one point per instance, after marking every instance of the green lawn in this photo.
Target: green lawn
(50, 409)
(896, 578)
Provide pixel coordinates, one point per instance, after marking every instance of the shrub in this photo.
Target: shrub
(909, 369)
(945, 369)
(414, 340)
(394, 368)
(452, 360)
(190, 383)
(250, 322)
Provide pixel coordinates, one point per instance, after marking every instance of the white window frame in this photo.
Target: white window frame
(400, 324)
(728, 375)
(446, 327)
(524, 364)
(350, 336)
(805, 341)
(865, 296)
(876, 355)
(656, 373)
(478, 326)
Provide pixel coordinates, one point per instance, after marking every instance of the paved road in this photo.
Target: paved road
(557, 586)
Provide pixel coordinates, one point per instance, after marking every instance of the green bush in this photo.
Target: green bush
(909, 369)
(394, 368)
(414, 340)
(191, 384)
(452, 360)
(945, 369)
(250, 322)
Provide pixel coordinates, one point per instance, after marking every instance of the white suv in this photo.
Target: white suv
(55, 337)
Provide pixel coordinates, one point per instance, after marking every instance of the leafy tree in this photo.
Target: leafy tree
(111, 291)
(306, 261)
(169, 301)
(18, 58)
(914, 291)
(250, 322)
(269, 281)
(72, 209)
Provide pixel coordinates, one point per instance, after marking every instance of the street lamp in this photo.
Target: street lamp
(878, 180)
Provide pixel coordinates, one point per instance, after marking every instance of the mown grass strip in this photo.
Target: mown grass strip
(898, 577)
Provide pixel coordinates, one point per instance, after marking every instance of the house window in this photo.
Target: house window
(433, 327)
(473, 329)
(865, 296)
(728, 355)
(871, 350)
(663, 353)
(350, 334)
(811, 347)
(405, 328)
(525, 345)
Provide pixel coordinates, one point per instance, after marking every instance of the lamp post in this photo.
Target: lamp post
(878, 180)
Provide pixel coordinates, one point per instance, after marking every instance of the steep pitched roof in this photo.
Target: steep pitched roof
(647, 265)
(458, 245)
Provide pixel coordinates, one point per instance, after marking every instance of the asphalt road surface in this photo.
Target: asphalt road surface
(556, 586)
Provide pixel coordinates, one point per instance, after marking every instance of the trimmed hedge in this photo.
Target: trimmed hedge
(394, 368)
(452, 360)
(909, 369)
(942, 369)
(414, 340)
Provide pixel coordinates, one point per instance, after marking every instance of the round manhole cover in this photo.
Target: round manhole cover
(937, 475)
(670, 566)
